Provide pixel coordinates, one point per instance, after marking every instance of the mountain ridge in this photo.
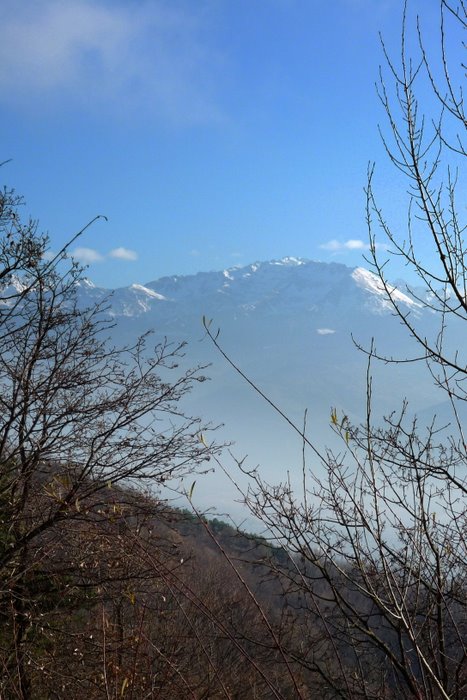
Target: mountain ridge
(260, 284)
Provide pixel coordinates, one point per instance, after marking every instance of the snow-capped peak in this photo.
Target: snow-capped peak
(17, 284)
(86, 283)
(370, 282)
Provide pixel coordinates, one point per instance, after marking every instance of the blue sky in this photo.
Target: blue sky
(211, 133)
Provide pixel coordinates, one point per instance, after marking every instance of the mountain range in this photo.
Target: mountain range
(263, 287)
(293, 326)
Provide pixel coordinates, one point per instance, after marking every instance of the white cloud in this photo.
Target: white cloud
(149, 57)
(325, 331)
(352, 244)
(123, 254)
(87, 255)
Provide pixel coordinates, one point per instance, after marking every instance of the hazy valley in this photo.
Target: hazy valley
(291, 326)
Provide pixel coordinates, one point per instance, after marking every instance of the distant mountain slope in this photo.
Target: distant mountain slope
(262, 286)
(289, 325)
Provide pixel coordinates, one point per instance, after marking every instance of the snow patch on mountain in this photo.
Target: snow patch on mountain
(149, 292)
(11, 290)
(291, 261)
(371, 283)
(85, 283)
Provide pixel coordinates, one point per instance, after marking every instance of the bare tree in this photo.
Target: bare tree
(375, 580)
(79, 418)
(429, 152)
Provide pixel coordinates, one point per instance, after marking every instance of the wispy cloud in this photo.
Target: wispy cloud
(151, 56)
(123, 254)
(325, 331)
(89, 256)
(352, 244)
